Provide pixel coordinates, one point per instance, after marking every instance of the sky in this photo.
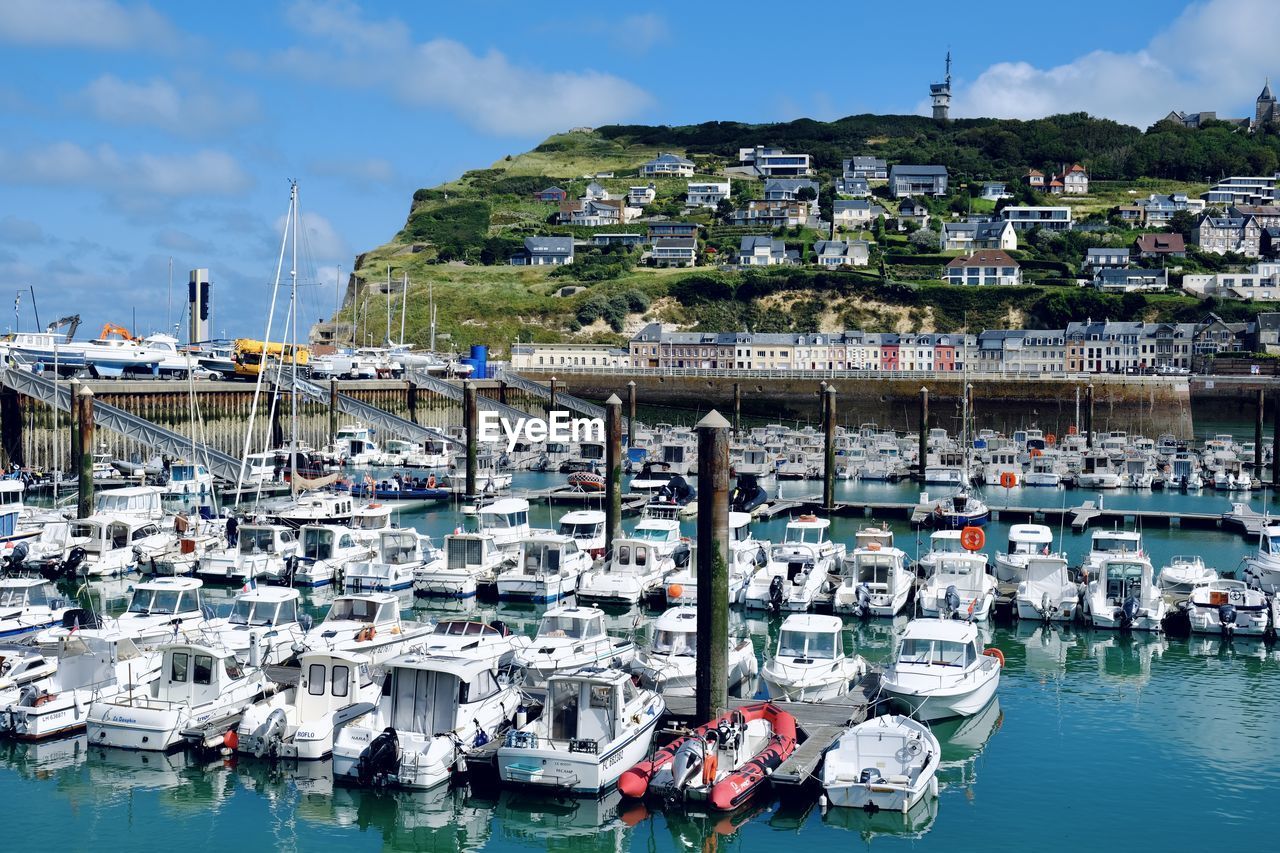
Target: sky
(134, 136)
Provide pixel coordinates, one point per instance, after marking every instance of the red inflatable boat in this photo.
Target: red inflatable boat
(721, 762)
(588, 481)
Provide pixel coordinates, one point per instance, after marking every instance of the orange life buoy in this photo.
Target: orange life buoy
(374, 506)
(675, 590)
(993, 652)
(972, 538)
(1035, 451)
(231, 739)
(1051, 439)
(808, 518)
(1008, 480)
(431, 481)
(1071, 430)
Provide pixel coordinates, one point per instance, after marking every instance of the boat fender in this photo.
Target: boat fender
(431, 481)
(710, 764)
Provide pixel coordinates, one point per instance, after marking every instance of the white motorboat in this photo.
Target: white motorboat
(890, 762)
(29, 605)
(1097, 472)
(469, 559)
(570, 638)
(586, 527)
(89, 668)
(23, 666)
(399, 554)
(659, 526)
(747, 555)
(596, 724)
(635, 569)
(506, 520)
(189, 487)
(263, 625)
(471, 639)
(810, 664)
(940, 670)
(368, 623)
(198, 685)
(1184, 573)
(1229, 608)
(324, 551)
(433, 712)
(1025, 542)
(1047, 592)
(941, 543)
(960, 588)
(874, 581)
(1262, 570)
(111, 546)
(1122, 595)
(298, 723)
(160, 610)
(335, 508)
(668, 662)
(797, 569)
(547, 570)
(260, 551)
(143, 503)
(1105, 544)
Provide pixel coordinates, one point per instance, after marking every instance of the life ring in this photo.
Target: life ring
(366, 634)
(1071, 430)
(993, 652)
(972, 538)
(1051, 439)
(873, 546)
(1008, 480)
(431, 481)
(375, 506)
(808, 518)
(42, 699)
(1035, 452)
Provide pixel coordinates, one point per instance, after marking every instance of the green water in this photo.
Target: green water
(1141, 743)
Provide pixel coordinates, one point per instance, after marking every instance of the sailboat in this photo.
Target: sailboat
(965, 508)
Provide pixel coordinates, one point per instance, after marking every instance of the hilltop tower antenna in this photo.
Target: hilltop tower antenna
(941, 94)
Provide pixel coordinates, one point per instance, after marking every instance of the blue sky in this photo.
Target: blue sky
(132, 133)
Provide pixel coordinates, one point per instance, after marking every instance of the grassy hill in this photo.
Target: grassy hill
(458, 236)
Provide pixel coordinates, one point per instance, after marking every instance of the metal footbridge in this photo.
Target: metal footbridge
(221, 465)
(568, 401)
(368, 414)
(454, 392)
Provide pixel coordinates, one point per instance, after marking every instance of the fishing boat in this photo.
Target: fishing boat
(469, 559)
(941, 544)
(1122, 595)
(874, 581)
(719, 764)
(198, 685)
(668, 662)
(89, 668)
(810, 664)
(586, 527)
(399, 554)
(1184, 573)
(940, 670)
(797, 568)
(1228, 607)
(21, 666)
(188, 486)
(29, 605)
(1047, 592)
(506, 520)
(747, 555)
(547, 570)
(368, 623)
(263, 626)
(111, 546)
(259, 551)
(594, 725)
(890, 763)
(324, 551)
(316, 508)
(472, 639)
(1025, 542)
(1104, 544)
(960, 588)
(160, 610)
(634, 570)
(1262, 570)
(433, 712)
(570, 638)
(298, 723)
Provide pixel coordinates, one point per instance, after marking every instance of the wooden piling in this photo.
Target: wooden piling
(1088, 416)
(333, 410)
(712, 690)
(737, 409)
(829, 437)
(84, 507)
(923, 461)
(11, 427)
(613, 474)
(631, 413)
(470, 420)
(73, 416)
(1258, 470)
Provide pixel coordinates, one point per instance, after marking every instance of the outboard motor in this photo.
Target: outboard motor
(16, 557)
(864, 600)
(501, 627)
(775, 593)
(71, 565)
(290, 569)
(78, 617)
(305, 622)
(1227, 619)
(680, 556)
(951, 602)
(1127, 613)
(380, 760)
(686, 764)
(1046, 607)
(270, 734)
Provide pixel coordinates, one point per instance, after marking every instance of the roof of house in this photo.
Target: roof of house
(1035, 173)
(549, 245)
(666, 159)
(840, 247)
(986, 258)
(866, 162)
(753, 241)
(1075, 168)
(788, 185)
(1161, 243)
(551, 190)
(909, 205)
(919, 170)
(1106, 251)
(851, 204)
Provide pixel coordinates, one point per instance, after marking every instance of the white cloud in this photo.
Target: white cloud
(176, 240)
(371, 171)
(485, 90)
(105, 169)
(86, 23)
(317, 239)
(1213, 56)
(158, 103)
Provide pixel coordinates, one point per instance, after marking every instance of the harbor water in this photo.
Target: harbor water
(1099, 739)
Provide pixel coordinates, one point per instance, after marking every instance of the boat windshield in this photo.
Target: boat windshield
(462, 553)
(949, 545)
(1114, 545)
(807, 644)
(352, 610)
(955, 568)
(807, 535)
(23, 597)
(257, 540)
(874, 568)
(155, 602)
(651, 534)
(676, 642)
(936, 652)
(1123, 579)
(317, 544)
(567, 626)
(544, 559)
(247, 612)
(582, 530)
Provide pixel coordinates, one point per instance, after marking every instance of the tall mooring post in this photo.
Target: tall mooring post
(84, 508)
(551, 403)
(631, 413)
(923, 461)
(411, 400)
(333, 410)
(471, 423)
(737, 409)
(1275, 450)
(1088, 416)
(277, 430)
(613, 481)
(829, 448)
(822, 402)
(11, 427)
(73, 415)
(1258, 470)
(712, 688)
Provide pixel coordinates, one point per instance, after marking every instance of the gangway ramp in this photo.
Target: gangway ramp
(367, 413)
(453, 392)
(576, 404)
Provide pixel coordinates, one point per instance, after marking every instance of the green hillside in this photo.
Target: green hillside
(458, 236)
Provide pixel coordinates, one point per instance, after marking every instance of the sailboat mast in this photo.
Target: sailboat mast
(388, 304)
(293, 373)
(404, 303)
(431, 297)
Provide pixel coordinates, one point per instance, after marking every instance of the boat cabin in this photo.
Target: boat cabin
(1116, 542)
(267, 607)
(881, 536)
(145, 502)
(807, 530)
(588, 708)
(471, 551)
(877, 569)
(1029, 539)
(1122, 577)
(10, 506)
(330, 680)
(545, 554)
(939, 643)
(18, 594)
(806, 637)
(193, 674)
(267, 539)
(324, 543)
(575, 623)
(676, 632)
(375, 608)
(966, 572)
(100, 534)
(428, 694)
(373, 517)
(945, 542)
(166, 597)
(586, 527)
(507, 519)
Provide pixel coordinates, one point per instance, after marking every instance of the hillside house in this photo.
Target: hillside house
(667, 166)
(986, 267)
(842, 253)
(544, 252)
(906, 181)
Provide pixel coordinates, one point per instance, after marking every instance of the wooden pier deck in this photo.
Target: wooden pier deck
(632, 503)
